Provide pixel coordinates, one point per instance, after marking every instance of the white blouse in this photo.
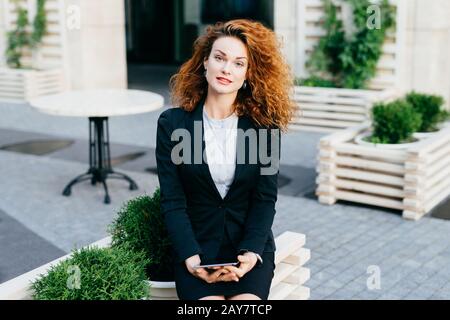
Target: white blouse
(220, 146)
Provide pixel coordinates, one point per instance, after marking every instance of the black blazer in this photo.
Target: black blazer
(195, 214)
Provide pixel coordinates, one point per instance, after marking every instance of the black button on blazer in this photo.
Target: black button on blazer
(195, 214)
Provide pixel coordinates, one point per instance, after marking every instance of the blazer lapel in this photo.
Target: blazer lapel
(244, 123)
(195, 122)
(197, 117)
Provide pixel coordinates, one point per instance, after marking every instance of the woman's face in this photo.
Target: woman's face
(226, 65)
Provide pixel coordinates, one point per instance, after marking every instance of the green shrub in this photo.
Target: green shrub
(315, 82)
(103, 273)
(140, 224)
(20, 38)
(429, 106)
(17, 40)
(444, 115)
(394, 122)
(350, 60)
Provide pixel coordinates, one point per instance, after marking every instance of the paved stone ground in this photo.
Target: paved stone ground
(345, 239)
(14, 237)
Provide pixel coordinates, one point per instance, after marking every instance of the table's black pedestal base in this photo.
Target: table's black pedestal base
(99, 159)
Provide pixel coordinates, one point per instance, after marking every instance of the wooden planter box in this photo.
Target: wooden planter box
(414, 179)
(331, 109)
(288, 283)
(49, 60)
(19, 85)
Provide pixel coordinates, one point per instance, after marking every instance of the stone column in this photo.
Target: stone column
(285, 25)
(428, 47)
(96, 48)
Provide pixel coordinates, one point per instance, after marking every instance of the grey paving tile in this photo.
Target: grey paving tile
(367, 295)
(343, 294)
(420, 294)
(355, 286)
(21, 249)
(323, 277)
(389, 296)
(399, 291)
(66, 222)
(344, 238)
(348, 276)
(324, 291)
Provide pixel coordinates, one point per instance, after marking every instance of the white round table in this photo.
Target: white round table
(98, 105)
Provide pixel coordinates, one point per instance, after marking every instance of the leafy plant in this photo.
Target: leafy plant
(444, 115)
(140, 224)
(39, 24)
(103, 274)
(17, 40)
(429, 106)
(394, 122)
(20, 38)
(349, 61)
(315, 82)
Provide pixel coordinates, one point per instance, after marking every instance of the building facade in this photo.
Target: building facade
(101, 37)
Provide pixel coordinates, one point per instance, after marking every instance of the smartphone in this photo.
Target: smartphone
(217, 265)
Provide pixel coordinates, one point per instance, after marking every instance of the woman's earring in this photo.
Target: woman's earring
(204, 73)
(244, 86)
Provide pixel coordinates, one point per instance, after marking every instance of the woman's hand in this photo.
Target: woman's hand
(247, 261)
(203, 274)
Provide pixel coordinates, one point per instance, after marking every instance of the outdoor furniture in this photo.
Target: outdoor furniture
(332, 109)
(97, 105)
(288, 282)
(290, 274)
(47, 65)
(413, 178)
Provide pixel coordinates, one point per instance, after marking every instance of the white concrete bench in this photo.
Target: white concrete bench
(288, 283)
(290, 273)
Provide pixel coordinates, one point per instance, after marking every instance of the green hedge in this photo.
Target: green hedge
(140, 225)
(429, 106)
(349, 60)
(394, 122)
(95, 274)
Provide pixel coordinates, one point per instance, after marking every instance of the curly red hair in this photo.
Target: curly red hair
(266, 100)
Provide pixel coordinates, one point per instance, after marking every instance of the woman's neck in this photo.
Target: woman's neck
(219, 106)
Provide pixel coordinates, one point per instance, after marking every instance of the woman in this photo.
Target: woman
(217, 200)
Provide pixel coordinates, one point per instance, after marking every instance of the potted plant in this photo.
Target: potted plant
(411, 177)
(348, 58)
(382, 164)
(95, 274)
(141, 226)
(21, 39)
(24, 78)
(393, 126)
(340, 56)
(430, 107)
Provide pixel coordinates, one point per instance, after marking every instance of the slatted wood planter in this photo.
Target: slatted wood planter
(331, 109)
(46, 71)
(288, 283)
(414, 179)
(18, 85)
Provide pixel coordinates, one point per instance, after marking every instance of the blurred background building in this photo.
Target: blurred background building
(101, 39)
